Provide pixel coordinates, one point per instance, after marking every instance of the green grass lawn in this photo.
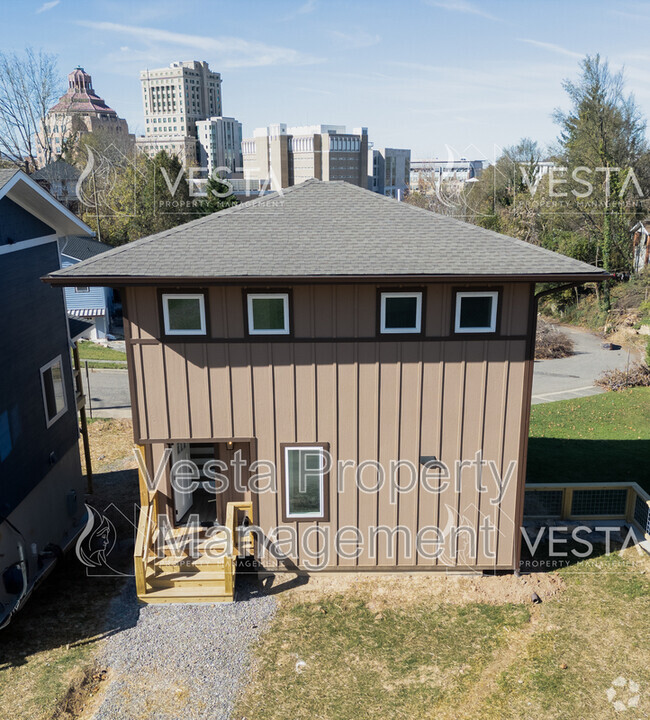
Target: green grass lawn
(436, 657)
(603, 438)
(92, 351)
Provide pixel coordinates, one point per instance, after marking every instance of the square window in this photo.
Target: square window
(268, 314)
(401, 312)
(184, 314)
(476, 312)
(53, 387)
(82, 289)
(305, 482)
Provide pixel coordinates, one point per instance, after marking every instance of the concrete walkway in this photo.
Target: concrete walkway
(574, 376)
(109, 395)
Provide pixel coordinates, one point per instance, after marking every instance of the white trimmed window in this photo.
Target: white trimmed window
(268, 313)
(184, 314)
(82, 289)
(305, 479)
(476, 312)
(54, 400)
(401, 312)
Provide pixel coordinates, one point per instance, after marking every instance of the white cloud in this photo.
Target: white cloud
(357, 39)
(307, 8)
(461, 6)
(47, 6)
(552, 48)
(230, 51)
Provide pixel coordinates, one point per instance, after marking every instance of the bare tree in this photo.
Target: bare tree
(29, 86)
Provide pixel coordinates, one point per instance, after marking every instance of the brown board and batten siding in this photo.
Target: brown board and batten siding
(333, 380)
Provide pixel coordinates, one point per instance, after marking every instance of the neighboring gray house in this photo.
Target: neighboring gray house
(60, 179)
(41, 486)
(94, 304)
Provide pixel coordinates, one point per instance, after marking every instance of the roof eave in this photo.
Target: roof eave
(184, 281)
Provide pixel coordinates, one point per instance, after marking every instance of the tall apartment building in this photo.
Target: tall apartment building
(390, 171)
(279, 156)
(174, 100)
(220, 140)
(79, 111)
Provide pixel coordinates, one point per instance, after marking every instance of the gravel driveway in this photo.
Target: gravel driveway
(180, 662)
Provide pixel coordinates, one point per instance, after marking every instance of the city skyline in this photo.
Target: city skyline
(457, 74)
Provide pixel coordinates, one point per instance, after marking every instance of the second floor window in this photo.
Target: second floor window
(401, 312)
(53, 390)
(268, 313)
(476, 312)
(184, 314)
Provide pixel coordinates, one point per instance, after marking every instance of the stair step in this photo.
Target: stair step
(186, 595)
(215, 580)
(183, 563)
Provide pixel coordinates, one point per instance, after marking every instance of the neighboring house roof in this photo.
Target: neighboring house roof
(57, 170)
(26, 192)
(6, 174)
(318, 230)
(81, 247)
(78, 328)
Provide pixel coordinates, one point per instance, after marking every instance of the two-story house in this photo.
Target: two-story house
(41, 486)
(92, 304)
(351, 373)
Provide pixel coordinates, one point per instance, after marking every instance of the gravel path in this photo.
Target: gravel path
(179, 662)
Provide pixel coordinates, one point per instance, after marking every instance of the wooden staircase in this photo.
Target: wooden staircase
(190, 565)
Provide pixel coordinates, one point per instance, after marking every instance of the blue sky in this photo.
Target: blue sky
(466, 76)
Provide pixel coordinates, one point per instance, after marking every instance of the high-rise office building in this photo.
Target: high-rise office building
(174, 100)
(389, 171)
(220, 140)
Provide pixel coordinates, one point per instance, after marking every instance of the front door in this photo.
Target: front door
(182, 498)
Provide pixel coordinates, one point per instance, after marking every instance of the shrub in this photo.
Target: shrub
(637, 376)
(551, 342)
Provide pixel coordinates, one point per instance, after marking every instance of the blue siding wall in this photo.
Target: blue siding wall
(33, 331)
(96, 297)
(17, 224)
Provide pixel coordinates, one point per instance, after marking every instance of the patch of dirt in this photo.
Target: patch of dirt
(402, 589)
(82, 695)
(111, 445)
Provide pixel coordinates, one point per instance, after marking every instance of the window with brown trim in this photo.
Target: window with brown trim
(476, 311)
(305, 481)
(184, 314)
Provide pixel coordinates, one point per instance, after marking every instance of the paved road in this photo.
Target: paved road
(109, 393)
(571, 377)
(559, 379)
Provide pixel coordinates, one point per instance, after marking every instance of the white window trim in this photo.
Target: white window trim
(268, 296)
(183, 296)
(321, 500)
(494, 294)
(82, 289)
(401, 331)
(50, 421)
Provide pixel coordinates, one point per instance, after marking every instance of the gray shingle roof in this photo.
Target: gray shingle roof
(81, 247)
(324, 229)
(6, 174)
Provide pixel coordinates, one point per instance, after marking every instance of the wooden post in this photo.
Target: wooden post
(567, 502)
(629, 505)
(81, 405)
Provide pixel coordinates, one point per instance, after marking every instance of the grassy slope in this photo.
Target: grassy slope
(603, 438)
(444, 661)
(92, 351)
